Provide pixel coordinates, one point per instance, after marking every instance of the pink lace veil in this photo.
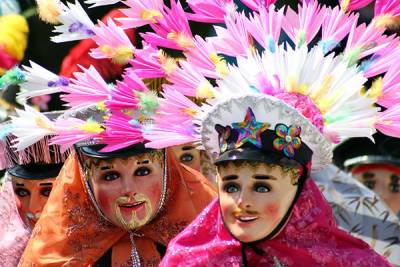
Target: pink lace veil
(310, 238)
(13, 233)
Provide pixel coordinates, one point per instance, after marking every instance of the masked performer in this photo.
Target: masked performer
(272, 119)
(116, 203)
(30, 174)
(320, 87)
(376, 165)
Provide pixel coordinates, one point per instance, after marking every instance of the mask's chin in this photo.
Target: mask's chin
(133, 214)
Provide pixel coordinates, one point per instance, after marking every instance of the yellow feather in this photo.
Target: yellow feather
(323, 88)
(387, 21)
(181, 39)
(91, 126)
(168, 63)
(204, 90)
(151, 15)
(220, 64)
(49, 10)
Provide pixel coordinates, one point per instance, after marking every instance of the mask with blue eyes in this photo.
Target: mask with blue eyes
(256, 199)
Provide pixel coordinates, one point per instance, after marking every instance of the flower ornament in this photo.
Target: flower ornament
(224, 133)
(288, 139)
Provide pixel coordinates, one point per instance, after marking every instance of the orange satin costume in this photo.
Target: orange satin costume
(70, 232)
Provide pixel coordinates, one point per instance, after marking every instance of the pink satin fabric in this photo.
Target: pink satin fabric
(13, 233)
(310, 238)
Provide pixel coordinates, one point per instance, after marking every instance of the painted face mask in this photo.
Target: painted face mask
(188, 155)
(255, 199)
(127, 190)
(383, 179)
(32, 196)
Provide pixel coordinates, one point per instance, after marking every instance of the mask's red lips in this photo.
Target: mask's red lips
(132, 205)
(245, 217)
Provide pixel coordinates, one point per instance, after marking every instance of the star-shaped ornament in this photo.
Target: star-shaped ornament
(249, 130)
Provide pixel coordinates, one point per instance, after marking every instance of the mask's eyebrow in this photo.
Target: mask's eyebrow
(146, 161)
(187, 148)
(230, 177)
(368, 175)
(107, 167)
(263, 177)
(18, 184)
(44, 184)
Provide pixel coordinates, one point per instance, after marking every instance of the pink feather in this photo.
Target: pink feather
(86, 89)
(351, 5)
(173, 123)
(258, 4)
(388, 122)
(121, 133)
(234, 40)
(211, 11)
(303, 26)
(266, 26)
(141, 12)
(110, 38)
(171, 31)
(150, 62)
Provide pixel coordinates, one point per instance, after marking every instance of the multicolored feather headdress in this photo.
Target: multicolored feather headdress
(308, 93)
(36, 150)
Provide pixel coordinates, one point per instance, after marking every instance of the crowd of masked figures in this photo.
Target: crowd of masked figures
(254, 186)
(118, 194)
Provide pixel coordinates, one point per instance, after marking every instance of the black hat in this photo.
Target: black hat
(94, 150)
(251, 140)
(355, 151)
(35, 171)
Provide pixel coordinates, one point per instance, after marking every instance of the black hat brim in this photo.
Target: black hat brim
(94, 151)
(257, 155)
(35, 171)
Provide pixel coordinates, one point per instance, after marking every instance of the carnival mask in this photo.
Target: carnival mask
(188, 155)
(255, 198)
(383, 179)
(127, 190)
(32, 196)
